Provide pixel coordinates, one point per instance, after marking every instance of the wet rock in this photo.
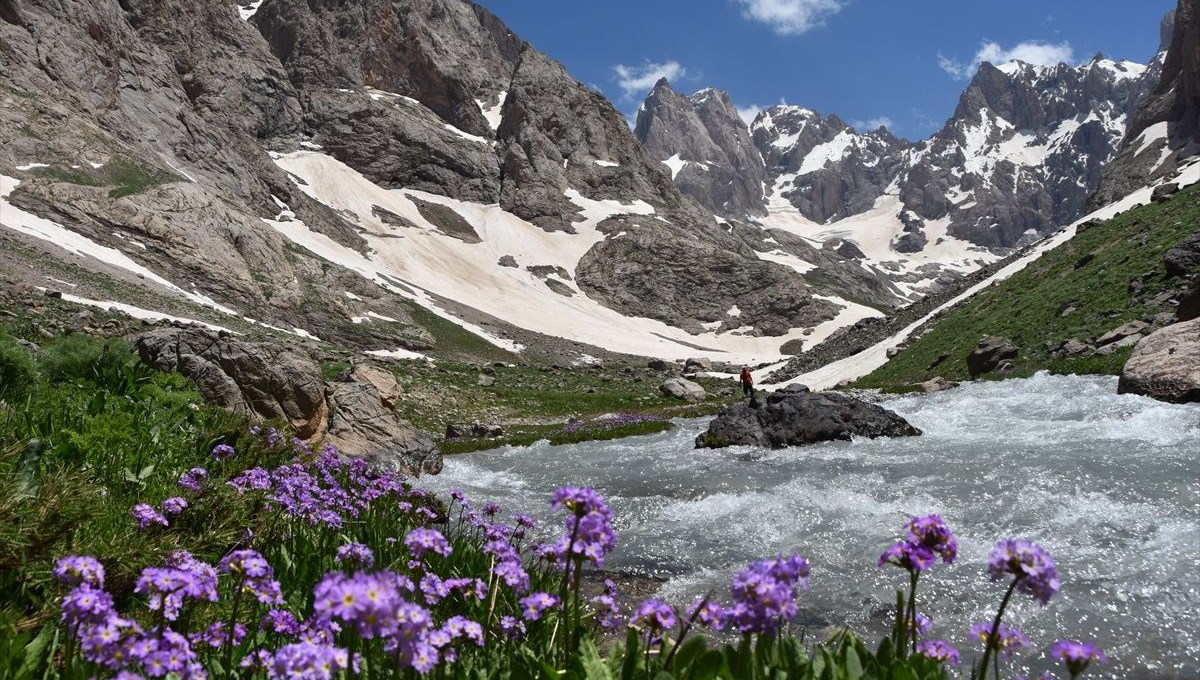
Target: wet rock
(989, 354)
(797, 418)
(683, 389)
(1165, 365)
(937, 384)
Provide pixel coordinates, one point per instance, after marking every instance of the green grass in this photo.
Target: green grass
(125, 176)
(453, 340)
(1091, 273)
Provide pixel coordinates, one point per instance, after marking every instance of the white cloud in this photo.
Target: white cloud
(1030, 51)
(872, 124)
(789, 17)
(635, 81)
(749, 113)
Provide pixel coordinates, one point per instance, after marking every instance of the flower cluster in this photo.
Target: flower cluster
(1031, 564)
(939, 650)
(1008, 640)
(655, 617)
(928, 538)
(253, 574)
(223, 452)
(74, 570)
(610, 422)
(533, 606)
(193, 480)
(184, 577)
(147, 516)
(422, 540)
(356, 555)
(764, 595)
(589, 534)
(608, 613)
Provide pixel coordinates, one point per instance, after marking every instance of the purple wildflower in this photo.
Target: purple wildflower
(1008, 641)
(533, 606)
(1031, 564)
(223, 452)
(184, 577)
(512, 626)
(656, 617)
(589, 534)
(86, 604)
(920, 625)
(710, 614)
(193, 480)
(422, 540)
(174, 505)
(280, 621)
(764, 594)
(1077, 655)
(930, 531)
(513, 575)
(911, 557)
(254, 573)
(356, 555)
(146, 515)
(608, 614)
(491, 508)
(939, 650)
(74, 570)
(306, 660)
(254, 479)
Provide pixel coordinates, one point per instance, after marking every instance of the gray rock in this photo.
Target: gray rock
(1123, 331)
(1165, 365)
(1075, 348)
(255, 379)
(1189, 303)
(989, 354)
(697, 364)
(797, 418)
(360, 426)
(937, 384)
(486, 380)
(1183, 259)
(383, 380)
(1164, 192)
(508, 261)
(681, 388)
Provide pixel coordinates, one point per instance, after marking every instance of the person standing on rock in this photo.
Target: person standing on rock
(747, 383)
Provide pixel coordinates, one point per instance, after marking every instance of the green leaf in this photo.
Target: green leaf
(629, 668)
(35, 653)
(594, 667)
(853, 665)
(707, 666)
(689, 651)
(145, 472)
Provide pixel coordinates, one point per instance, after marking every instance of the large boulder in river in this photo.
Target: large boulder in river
(989, 354)
(1165, 365)
(795, 418)
(256, 379)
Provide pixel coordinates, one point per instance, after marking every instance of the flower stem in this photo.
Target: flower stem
(987, 650)
(910, 622)
(237, 598)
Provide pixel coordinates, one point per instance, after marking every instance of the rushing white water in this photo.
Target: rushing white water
(1109, 484)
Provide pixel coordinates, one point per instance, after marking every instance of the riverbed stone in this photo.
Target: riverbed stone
(797, 418)
(1165, 365)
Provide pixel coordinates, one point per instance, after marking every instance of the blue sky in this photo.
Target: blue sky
(903, 62)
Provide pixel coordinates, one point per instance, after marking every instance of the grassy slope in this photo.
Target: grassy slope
(1028, 307)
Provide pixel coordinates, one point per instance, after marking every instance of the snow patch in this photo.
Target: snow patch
(675, 163)
(607, 164)
(833, 150)
(492, 115)
(248, 9)
(31, 166)
(396, 354)
(1150, 135)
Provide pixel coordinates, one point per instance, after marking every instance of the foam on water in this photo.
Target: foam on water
(1109, 483)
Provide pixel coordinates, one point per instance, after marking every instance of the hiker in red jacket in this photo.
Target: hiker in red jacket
(747, 383)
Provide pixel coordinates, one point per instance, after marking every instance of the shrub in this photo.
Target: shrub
(18, 371)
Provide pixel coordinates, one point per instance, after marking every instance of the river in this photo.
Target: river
(1109, 484)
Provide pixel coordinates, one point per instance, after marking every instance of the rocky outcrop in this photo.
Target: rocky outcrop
(1183, 258)
(706, 146)
(1165, 365)
(255, 379)
(1165, 129)
(990, 354)
(264, 380)
(362, 426)
(688, 283)
(796, 418)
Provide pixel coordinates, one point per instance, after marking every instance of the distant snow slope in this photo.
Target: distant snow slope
(422, 263)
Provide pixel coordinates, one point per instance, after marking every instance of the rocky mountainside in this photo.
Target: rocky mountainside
(1024, 149)
(329, 167)
(1166, 128)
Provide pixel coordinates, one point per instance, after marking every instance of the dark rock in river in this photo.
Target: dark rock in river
(796, 418)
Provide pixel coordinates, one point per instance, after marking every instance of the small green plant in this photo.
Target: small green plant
(18, 371)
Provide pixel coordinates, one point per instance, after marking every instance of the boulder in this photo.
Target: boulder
(937, 384)
(384, 381)
(1075, 348)
(1165, 365)
(1163, 192)
(1183, 258)
(1121, 332)
(797, 418)
(256, 379)
(989, 354)
(1189, 303)
(361, 426)
(682, 389)
(695, 365)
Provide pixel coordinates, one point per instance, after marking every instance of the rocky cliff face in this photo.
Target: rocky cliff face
(1165, 129)
(705, 144)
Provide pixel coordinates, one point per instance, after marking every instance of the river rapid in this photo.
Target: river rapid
(1109, 484)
